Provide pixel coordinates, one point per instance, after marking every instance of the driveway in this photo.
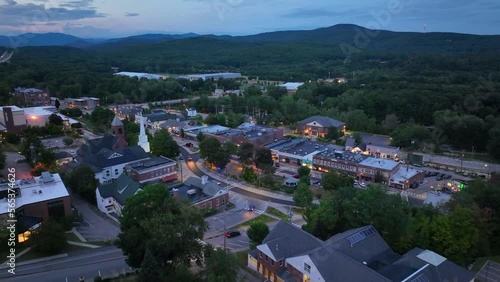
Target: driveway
(95, 226)
(23, 169)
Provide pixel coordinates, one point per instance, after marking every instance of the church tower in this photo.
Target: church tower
(119, 131)
(143, 138)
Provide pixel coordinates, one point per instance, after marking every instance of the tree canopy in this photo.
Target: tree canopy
(163, 144)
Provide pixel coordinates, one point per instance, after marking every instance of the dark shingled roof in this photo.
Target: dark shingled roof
(324, 121)
(107, 158)
(120, 189)
(95, 145)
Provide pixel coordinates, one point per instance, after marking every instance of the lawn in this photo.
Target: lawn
(480, 263)
(275, 212)
(33, 255)
(261, 218)
(70, 236)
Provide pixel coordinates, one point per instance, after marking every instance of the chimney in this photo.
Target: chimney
(177, 194)
(277, 247)
(204, 179)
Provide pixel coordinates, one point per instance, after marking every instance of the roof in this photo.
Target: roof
(379, 163)
(291, 85)
(323, 121)
(150, 163)
(62, 155)
(120, 189)
(174, 123)
(106, 157)
(350, 142)
(95, 145)
(36, 189)
(286, 240)
(210, 188)
(194, 191)
(139, 75)
(403, 174)
(116, 122)
(159, 117)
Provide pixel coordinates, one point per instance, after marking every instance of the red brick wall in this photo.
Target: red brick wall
(272, 266)
(41, 210)
(213, 201)
(137, 176)
(295, 273)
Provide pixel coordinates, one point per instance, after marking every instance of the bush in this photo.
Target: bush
(68, 141)
(289, 190)
(209, 212)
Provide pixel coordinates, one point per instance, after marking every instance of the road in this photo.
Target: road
(6, 56)
(109, 261)
(23, 169)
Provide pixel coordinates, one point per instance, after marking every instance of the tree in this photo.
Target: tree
(152, 219)
(379, 178)
(303, 196)
(183, 133)
(333, 134)
(222, 266)
(249, 175)
(211, 119)
(303, 171)
(3, 158)
(322, 219)
(245, 152)
(150, 268)
(82, 181)
(334, 180)
(230, 148)
(55, 120)
(264, 159)
(257, 232)
(200, 137)
(57, 104)
(49, 239)
(163, 144)
(209, 148)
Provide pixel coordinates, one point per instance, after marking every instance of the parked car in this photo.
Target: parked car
(250, 206)
(232, 233)
(448, 176)
(434, 173)
(189, 144)
(356, 182)
(277, 164)
(362, 184)
(414, 184)
(296, 176)
(181, 157)
(189, 159)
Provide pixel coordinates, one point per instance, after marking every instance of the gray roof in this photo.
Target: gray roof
(93, 146)
(350, 142)
(324, 121)
(159, 117)
(120, 189)
(116, 122)
(286, 240)
(106, 158)
(62, 155)
(174, 123)
(210, 188)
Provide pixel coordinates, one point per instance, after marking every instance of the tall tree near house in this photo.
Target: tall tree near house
(200, 137)
(333, 134)
(264, 159)
(245, 152)
(303, 196)
(222, 266)
(334, 180)
(82, 181)
(209, 148)
(49, 239)
(55, 119)
(230, 148)
(257, 232)
(170, 228)
(163, 144)
(57, 104)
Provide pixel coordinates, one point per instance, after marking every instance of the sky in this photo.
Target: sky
(117, 18)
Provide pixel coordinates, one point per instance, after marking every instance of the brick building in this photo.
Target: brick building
(33, 96)
(202, 193)
(37, 200)
(155, 169)
(258, 135)
(318, 126)
(290, 254)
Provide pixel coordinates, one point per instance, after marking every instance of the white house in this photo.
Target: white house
(111, 197)
(191, 112)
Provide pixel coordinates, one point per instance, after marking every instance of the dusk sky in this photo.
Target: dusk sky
(104, 18)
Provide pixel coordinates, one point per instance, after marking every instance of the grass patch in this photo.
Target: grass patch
(31, 255)
(298, 210)
(275, 212)
(261, 218)
(70, 236)
(481, 261)
(7, 147)
(242, 258)
(102, 243)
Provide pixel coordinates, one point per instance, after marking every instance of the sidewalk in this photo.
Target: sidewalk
(235, 183)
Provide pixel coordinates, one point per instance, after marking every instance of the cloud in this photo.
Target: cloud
(131, 14)
(312, 13)
(15, 14)
(77, 3)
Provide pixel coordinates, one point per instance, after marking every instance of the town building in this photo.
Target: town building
(318, 126)
(155, 120)
(191, 112)
(214, 76)
(118, 129)
(175, 125)
(152, 170)
(258, 135)
(291, 86)
(140, 75)
(143, 137)
(201, 193)
(129, 111)
(12, 119)
(298, 151)
(15, 119)
(33, 96)
(84, 103)
(376, 150)
(37, 200)
(290, 254)
(111, 197)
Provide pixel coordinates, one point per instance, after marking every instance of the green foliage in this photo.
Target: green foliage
(222, 266)
(55, 120)
(163, 144)
(68, 141)
(264, 159)
(200, 137)
(333, 134)
(230, 148)
(49, 238)
(303, 171)
(257, 232)
(82, 181)
(170, 229)
(245, 152)
(11, 137)
(3, 158)
(249, 175)
(303, 196)
(334, 180)
(101, 119)
(72, 112)
(214, 153)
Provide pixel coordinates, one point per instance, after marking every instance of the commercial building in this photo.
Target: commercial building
(15, 119)
(33, 96)
(214, 76)
(318, 126)
(298, 151)
(140, 75)
(37, 200)
(152, 170)
(12, 119)
(258, 135)
(127, 110)
(111, 197)
(155, 120)
(291, 86)
(201, 193)
(290, 254)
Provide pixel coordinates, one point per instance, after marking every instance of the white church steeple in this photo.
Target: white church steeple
(143, 138)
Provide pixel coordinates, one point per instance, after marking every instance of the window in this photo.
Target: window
(107, 173)
(260, 254)
(209, 205)
(272, 262)
(116, 171)
(266, 257)
(217, 202)
(281, 263)
(307, 267)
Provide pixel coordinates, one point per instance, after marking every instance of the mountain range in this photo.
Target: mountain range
(347, 34)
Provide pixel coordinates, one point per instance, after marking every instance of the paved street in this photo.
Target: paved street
(23, 169)
(95, 227)
(108, 261)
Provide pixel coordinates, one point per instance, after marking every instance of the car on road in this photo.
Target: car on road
(232, 233)
(250, 206)
(189, 159)
(189, 144)
(181, 157)
(296, 176)
(448, 176)
(362, 184)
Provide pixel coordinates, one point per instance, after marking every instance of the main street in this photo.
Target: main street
(106, 261)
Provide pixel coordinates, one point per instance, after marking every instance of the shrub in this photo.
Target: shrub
(68, 141)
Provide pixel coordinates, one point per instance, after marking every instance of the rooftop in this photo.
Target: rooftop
(323, 121)
(379, 163)
(120, 189)
(151, 163)
(305, 148)
(194, 190)
(140, 75)
(29, 90)
(248, 130)
(342, 155)
(404, 174)
(33, 190)
(291, 85)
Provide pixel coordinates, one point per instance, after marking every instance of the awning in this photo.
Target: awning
(169, 178)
